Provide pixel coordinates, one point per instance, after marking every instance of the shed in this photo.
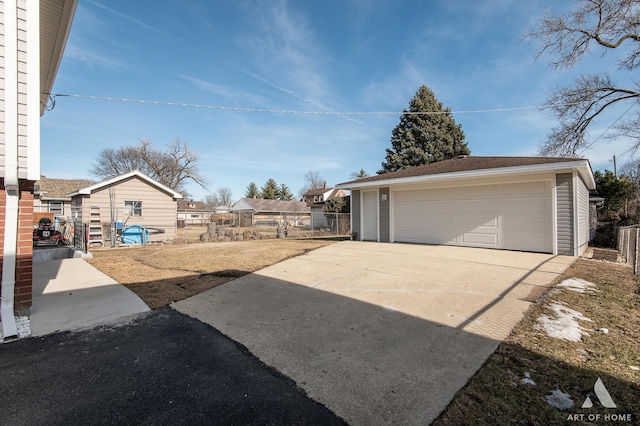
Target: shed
(133, 199)
(538, 204)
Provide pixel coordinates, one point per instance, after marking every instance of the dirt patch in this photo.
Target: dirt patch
(515, 382)
(161, 275)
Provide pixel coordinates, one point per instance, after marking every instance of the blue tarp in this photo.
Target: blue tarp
(135, 234)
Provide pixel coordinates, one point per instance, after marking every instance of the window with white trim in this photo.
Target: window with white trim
(133, 208)
(56, 207)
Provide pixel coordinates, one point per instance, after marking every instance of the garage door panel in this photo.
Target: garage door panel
(480, 222)
(475, 238)
(479, 191)
(510, 216)
(529, 188)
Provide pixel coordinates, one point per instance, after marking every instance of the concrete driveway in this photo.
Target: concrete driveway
(379, 333)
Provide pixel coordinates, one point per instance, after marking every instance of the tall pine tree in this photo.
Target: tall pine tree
(269, 190)
(252, 191)
(424, 138)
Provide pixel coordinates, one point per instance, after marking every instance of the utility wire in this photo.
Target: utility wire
(607, 129)
(53, 97)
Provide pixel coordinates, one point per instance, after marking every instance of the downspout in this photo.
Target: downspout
(11, 185)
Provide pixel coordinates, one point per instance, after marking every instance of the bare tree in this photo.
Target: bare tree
(224, 196)
(312, 180)
(174, 167)
(605, 24)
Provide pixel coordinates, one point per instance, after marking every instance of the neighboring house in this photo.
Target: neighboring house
(51, 195)
(131, 198)
(317, 199)
(322, 195)
(261, 212)
(518, 203)
(33, 35)
(193, 213)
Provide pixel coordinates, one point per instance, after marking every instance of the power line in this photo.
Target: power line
(297, 112)
(606, 130)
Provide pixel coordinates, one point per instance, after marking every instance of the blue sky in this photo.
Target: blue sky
(307, 56)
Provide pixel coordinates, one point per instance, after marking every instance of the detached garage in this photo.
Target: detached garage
(534, 204)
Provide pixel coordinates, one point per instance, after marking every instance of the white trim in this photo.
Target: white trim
(88, 190)
(11, 182)
(33, 89)
(537, 168)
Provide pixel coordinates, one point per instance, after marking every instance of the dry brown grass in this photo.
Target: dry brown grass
(161, 275)
(496, 395)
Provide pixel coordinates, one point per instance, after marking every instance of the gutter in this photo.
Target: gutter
(11, 184)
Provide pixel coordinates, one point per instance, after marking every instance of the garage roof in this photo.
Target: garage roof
(470, 166)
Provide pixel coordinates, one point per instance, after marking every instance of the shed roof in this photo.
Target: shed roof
(113, 181)
(470, 166)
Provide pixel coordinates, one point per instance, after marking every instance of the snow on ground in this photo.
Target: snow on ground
(23, 326)
(578, 285)
(559, 400)
(565, 324)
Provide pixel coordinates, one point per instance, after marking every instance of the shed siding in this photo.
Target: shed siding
(564, 205)
(159, 209)
(385, 221)
(583, 216)
(355, 213)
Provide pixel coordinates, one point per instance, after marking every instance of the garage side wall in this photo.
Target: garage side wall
(355, 213)
(385, 221)
(583, 216)
(564, 205)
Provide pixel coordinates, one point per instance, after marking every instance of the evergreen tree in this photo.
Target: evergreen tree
(252, 191)
(424, 138)
(284, 193)
(269, 190)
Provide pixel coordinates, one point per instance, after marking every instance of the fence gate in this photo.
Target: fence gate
(80, 235)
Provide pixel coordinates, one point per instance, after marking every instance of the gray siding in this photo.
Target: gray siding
(564, 207)
(355, 213)
(583, 217)
(384, 215)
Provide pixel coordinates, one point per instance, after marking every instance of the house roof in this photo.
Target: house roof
(473, 166)
(57, 189)
(185, 205)
(55, 23)
(260, 205)
(135, 173)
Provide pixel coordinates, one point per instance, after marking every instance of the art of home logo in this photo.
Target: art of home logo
(603, 396)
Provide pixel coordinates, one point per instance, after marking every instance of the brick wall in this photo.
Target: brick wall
(24, 266)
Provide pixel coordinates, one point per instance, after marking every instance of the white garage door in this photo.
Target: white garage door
(515, 216)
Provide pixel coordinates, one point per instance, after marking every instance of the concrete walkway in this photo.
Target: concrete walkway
(379, 333)
(69, 294)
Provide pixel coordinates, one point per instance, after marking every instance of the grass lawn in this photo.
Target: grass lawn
(610, 350)
(161, 275)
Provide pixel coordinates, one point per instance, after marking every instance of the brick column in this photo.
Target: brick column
(24, 254)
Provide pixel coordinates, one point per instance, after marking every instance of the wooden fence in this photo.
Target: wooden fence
(627, 243)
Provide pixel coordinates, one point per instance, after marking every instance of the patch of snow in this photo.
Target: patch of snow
(565, 324)
(527, 380)
(578, 285)
(634, 368)
(603, 330)
(23, 327)
(559, 400)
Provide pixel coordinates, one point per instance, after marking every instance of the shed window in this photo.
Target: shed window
(56, 207)
(133, 208)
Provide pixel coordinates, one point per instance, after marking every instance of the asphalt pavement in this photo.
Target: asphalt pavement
(160, 367)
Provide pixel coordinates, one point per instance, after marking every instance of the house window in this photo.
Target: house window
(133, 208)
(56, 207)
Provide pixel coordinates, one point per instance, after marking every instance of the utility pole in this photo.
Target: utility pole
(615, 167)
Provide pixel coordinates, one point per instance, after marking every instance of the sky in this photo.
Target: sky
(259, 83)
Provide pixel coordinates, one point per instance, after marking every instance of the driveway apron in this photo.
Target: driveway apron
(380, 333)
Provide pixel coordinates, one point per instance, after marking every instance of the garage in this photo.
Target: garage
(537, 204)
(515, 216)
